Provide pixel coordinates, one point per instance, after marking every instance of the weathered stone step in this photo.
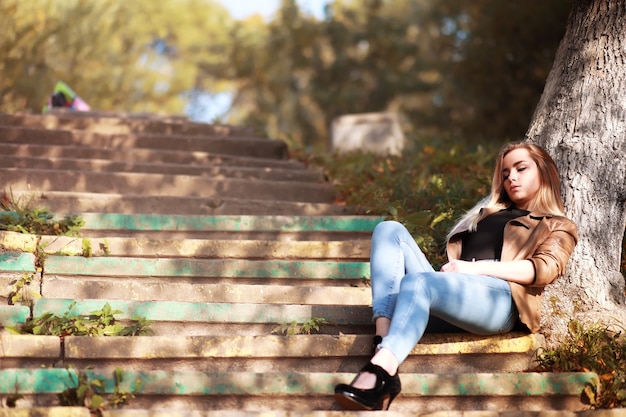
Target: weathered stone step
(285, 413)
(228, 145)
(38, 180)
(133, 412)
(105, 221)
(62, 202)
(17, 262)
(195, 248)
(312, 391)
(28, 351)
(206, 268)
(145, 156)
(211, 319)
(186, 312)
(242, 227)
(11, 315)
(54, 286)
(117, 123)
(437, 353)
(215, 172)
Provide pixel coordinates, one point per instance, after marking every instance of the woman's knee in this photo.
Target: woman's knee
(387, 228)
(418, 281)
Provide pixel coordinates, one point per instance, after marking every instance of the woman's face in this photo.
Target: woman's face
(520, 177)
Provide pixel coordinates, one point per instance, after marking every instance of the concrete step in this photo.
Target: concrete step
(413, 413)
(179, 157)
(12, 315)
(229, 145)
(196, 248)
(84, 412)
(240, 223)
(451, 353)
(186, 312)
(102, 165)
(310, 391)
(439, 353)
(112, 123)
(62, 202)
(259, 270)
(40, 180)
(12, 261)
(201, 292)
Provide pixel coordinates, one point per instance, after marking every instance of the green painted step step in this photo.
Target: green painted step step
(169, 311)
(216, 268)
(106, 221)
(51, 380)
(12, 315)
(239, 223)
(17, 262)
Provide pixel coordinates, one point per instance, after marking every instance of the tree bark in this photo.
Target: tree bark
(581, 120)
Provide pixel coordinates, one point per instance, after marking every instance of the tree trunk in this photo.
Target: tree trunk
(581, 121)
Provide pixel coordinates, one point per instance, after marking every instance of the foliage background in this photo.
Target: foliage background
(471, 69)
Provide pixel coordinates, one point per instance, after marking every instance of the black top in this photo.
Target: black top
(486, 242)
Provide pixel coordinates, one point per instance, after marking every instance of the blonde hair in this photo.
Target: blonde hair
(548, 200)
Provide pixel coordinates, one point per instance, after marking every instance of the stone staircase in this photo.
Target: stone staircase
(216, 237)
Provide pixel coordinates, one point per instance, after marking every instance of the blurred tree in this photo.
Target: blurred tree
(127, 56)
(473, 69)
(298, 73)
(372, 53)
(498, 57)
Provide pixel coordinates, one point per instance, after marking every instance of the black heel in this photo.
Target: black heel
(375, 342)
(378, 398)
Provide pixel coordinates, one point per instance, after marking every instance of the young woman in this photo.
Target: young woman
(501, 255)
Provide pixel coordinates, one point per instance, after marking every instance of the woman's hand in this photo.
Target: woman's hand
(463, 267)
(522, 271)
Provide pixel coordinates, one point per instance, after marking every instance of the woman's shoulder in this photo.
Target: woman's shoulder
(557, 222)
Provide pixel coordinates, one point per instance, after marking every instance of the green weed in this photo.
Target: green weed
(89, 392)
(98, 323)
(594, 349)
(87, 251)
(308, 327)
(18, 216)
(22, 292)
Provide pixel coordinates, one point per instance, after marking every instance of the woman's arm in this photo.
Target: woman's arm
(522, 271)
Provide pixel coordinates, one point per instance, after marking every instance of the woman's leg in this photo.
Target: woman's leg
(394, 253)
(476, 303)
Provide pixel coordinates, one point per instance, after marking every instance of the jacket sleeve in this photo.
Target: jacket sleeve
(551, 256)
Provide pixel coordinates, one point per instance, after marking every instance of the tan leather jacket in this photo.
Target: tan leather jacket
(546, 241)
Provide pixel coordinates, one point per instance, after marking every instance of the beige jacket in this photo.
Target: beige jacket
(546, 241)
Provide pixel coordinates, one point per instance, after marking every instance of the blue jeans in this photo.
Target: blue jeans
(407, 290)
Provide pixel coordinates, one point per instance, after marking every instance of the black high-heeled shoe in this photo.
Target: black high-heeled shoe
(378, 398)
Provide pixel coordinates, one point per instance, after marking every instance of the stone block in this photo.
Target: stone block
(368, 132)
